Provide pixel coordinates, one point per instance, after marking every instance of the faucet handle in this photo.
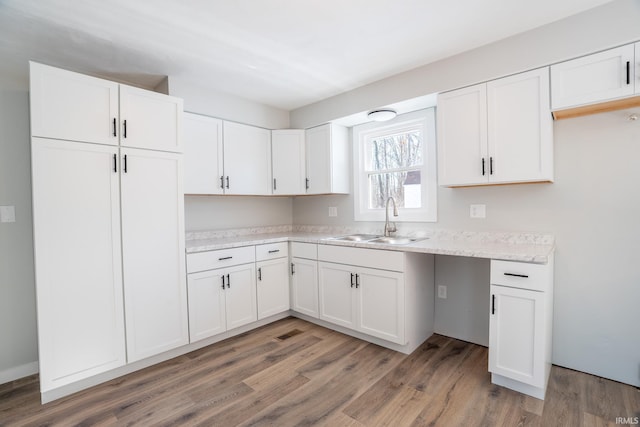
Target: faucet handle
(392, 227)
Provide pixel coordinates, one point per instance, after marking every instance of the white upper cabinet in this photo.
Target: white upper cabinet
(203, 169)
(150, 120)
(599, 77)
(327, 150)
(247, 159)
(462, 136)
(520, 128)
(497, 132)
(288, 161)
(72, 106)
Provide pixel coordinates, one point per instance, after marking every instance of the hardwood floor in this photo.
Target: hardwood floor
(294, 373)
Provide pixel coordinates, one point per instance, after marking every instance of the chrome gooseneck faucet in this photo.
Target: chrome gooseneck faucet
(390, 227)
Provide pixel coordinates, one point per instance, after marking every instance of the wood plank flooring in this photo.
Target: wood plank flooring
(277, 376)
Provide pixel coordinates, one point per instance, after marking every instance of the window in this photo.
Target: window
(396, 159)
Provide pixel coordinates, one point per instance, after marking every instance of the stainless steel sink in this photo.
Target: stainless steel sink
(397, 240)
(357, 237)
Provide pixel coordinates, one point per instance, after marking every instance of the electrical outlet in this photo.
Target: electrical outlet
(477, 211)
(442, 291)
(333, 211)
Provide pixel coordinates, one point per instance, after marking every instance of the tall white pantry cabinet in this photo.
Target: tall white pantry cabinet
(108, 224)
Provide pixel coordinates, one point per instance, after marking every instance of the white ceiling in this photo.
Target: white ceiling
(283, 53)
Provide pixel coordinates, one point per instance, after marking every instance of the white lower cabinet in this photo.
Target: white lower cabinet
(520, 325)
(109, 246)
(222, 291)
(516, 334)
(381, 310)
(304, 286)
(272, 263)
(155, 292)
(383, 294)
(365, 299)
(220, 300)
(337, 294)
(304, 278)
(76, 210)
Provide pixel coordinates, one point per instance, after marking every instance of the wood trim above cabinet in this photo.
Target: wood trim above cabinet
(602, 107)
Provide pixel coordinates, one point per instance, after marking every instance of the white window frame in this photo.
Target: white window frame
(429, 186)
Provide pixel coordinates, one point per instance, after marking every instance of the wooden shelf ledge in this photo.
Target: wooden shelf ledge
(585, 110)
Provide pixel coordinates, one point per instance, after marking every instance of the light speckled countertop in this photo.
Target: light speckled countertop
(524, 247)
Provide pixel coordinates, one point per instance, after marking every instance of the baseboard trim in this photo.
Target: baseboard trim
(18, 372)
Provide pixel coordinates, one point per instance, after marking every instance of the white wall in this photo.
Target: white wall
(224, 212)
(592, 208)
(202, 100)
(18, 339)
(610, 25)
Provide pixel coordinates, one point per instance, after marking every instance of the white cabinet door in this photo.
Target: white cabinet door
(207, 313)
(520, 128)
(76, 215)
(202, 154)
(462, 136)
(327, 161)
(240, 295)
(516, 335)
(337, 294)
(273, 287)
(247, 159)
(381, 310)
(599, 77)
(150, 120)
(153, 252)
(288, 161)
(72, 106)
(304, 286)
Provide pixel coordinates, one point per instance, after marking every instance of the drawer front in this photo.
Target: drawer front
(210, 260)
(304, 250)
(535, 277)
(272, 251)
(363, 257)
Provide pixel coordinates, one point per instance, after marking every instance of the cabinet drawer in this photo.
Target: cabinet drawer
(209, 260)
(535, 277)
(272, 251)
(372, 258)
(304, 250)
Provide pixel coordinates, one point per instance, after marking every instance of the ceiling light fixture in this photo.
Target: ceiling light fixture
(381, 115)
